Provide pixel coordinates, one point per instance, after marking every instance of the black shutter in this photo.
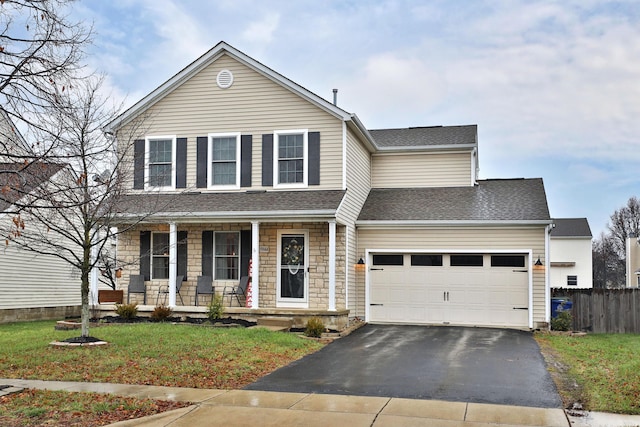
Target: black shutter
(314, 158)
(181, 163)
(245, 251)
(182, 254)
(145, 254)
(267, 160)
(207, 253)
(138, 164)
(245, 160)
(202, 143)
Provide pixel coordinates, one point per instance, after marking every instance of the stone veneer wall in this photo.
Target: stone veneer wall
(318, 245)
(39, 313)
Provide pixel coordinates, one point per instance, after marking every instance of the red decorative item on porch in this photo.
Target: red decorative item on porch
(248, 299)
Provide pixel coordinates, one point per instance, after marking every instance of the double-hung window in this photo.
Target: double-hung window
(227, 255)
(224, 160)
(160, 255)
(291, 158)
(160, 161)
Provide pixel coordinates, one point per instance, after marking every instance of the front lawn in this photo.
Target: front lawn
(605, 368)
(150, 353)
(144, 353)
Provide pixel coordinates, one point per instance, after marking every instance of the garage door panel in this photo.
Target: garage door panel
(484, 296)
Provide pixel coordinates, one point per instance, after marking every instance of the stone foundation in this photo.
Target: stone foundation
(39, 313)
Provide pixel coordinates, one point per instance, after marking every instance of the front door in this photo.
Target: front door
(292, 269)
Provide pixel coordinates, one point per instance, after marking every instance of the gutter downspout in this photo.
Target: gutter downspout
(547, 265)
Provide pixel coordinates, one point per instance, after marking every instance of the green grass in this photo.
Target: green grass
(150, 353)
(606, 366)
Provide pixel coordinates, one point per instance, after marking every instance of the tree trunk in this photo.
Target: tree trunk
(85, 291)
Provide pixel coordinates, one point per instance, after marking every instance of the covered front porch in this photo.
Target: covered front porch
(297, 269)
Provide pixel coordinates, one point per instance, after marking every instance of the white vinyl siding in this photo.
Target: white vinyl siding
(459, 239)
(358, 186)
(393, 170)
(570, 257)
(254, 105)
(29, 280)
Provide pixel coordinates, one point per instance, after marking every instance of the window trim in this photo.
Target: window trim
(147, 154)
(305, 160)
(210, 138)
(238, 255)
(152, 256)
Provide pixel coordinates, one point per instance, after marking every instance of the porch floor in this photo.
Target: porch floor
(336, 320)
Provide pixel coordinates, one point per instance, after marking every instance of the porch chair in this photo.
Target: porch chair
(164, 290)
(136, 286)
(204, 287)
(237, 290)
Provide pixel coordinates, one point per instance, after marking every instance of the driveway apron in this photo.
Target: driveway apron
(499, 366)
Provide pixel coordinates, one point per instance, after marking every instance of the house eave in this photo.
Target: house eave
(430, 148)
(371, 224)
(232, 216)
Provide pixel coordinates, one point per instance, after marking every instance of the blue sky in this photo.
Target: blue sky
(554, 87)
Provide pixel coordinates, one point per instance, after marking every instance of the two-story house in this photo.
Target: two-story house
(239, 165)
(571, 254)
(52, 290)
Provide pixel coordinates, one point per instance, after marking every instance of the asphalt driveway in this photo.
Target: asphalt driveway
(478, 365)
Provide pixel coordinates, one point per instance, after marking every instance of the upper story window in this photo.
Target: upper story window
(160, 255)
(291, 158)
(160, 162)
(224, 160)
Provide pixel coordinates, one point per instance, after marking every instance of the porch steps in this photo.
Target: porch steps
(276, 323)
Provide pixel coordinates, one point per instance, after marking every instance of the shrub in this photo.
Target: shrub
(315, 327)
(562, 322)
(127, 311)
(161, 312)
(216, 308)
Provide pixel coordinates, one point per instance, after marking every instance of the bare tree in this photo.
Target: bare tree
(624, 221)
(41, 51)
(608, 267)
(72, 217)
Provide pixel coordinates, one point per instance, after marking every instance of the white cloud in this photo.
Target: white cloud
(262, 30)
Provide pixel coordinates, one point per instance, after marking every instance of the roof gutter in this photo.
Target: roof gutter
(436, 223)
(234, 216)
(451, 147)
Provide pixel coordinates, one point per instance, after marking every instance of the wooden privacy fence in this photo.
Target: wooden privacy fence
(604, 310)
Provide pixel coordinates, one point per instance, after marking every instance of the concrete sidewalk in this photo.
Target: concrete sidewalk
(263, 408)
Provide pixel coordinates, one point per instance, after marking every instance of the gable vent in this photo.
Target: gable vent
(224, 79)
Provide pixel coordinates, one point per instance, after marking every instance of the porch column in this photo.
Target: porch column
(93, 279)
(173, 262)
(255, 264)
(332, 265)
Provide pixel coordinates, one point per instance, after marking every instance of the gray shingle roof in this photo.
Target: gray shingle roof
(490, 200)
(571, 227)
(425, 136)
(254, 203)
(18, 180)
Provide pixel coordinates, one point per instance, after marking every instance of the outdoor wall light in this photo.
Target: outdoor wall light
(538, 265)
(360, 265)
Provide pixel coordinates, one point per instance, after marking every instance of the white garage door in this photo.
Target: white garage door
(456, 289)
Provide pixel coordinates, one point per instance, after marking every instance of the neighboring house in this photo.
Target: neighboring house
(571, 254)
(239, 164)
(32, 286)
(633, 261)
